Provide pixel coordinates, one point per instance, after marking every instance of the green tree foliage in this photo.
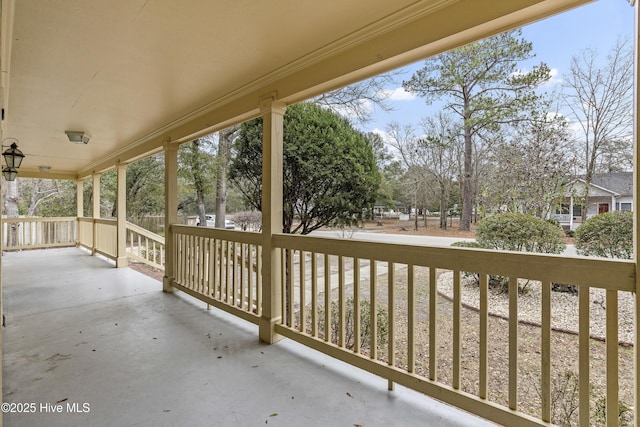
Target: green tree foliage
(330, 172)
(197, 171)
(519, 232)
(483, 86)
(606, 235)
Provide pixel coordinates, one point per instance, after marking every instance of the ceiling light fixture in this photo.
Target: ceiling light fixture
(77, 137)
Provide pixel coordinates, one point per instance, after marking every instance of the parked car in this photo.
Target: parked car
(211, 222)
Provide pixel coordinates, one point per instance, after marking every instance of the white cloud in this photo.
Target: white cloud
(555, 79)
(399, 94)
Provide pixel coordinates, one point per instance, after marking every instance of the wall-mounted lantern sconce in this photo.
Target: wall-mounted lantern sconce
(77, 137)
(13, 159)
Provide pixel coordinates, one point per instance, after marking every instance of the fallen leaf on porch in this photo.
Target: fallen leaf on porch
(349, 394)
(273, 415)
(357, 425)
(219, 357)
(167, 410)
(63, 400)
(255, 366)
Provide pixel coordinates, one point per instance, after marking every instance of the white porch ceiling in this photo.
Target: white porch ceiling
(136, 73)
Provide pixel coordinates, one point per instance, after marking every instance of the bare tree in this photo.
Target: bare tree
(358, 100)
(432, 158)
(600, 98)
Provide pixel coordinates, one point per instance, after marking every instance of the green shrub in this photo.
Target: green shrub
(519, 232)
(606, 235)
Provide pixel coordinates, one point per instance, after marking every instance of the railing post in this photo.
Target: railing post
(96, 209)
(79, 208)
(272, 164)
(121, 216)
(170, 212)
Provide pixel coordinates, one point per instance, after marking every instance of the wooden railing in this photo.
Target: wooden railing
(333, 288)
(37, 233)
(221, 268)
(145, 246)
(85, 232)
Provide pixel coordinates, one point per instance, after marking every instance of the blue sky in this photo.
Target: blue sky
(555, 40)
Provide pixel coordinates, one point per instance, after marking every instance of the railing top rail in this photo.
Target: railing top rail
(602, 273)
(143, 231)
(248, 237)
(106, 221)
(40, 219)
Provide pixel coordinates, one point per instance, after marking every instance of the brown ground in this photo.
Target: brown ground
(564, 346)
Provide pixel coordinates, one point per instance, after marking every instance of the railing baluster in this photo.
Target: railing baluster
(356, 305)
(391, 341)
(259, 280)
(546, 351)
(291, 286)
(243, 260)
(341, 302)
(484, 315)
(314, 294)
(303, 291)
(612, 357)
(327, 299)
(227, 272)
(373, 326)
(513, 343)
(584, 358)
(457, 309)
(411, 320)
(433, 315)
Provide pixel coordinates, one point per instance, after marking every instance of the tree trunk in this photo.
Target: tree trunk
(225, 138)
(467, 183)
(443, 208)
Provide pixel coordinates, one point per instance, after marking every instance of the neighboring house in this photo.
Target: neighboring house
(608, 192)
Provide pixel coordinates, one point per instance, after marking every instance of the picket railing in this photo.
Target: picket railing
(333, 288)
(145, 247)
(221, 268)
(38, 233)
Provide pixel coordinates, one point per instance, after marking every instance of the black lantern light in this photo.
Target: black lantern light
(13, 159)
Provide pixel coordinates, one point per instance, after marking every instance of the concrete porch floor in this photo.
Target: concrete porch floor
(107, 347)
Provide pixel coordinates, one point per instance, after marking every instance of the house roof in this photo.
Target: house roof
(620, 183)
(137, 74)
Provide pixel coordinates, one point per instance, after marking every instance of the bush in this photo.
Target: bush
(606, 235)
(519, 232)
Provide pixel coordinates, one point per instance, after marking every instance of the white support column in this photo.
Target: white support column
(170, 212)
(96, 209)
(272, 180)
(121, 216)
(613, 204)
(571, 212)
(79, 207)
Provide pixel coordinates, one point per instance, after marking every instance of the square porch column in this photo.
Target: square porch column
(121, 216)
(272, 181)
(96, 209)
(170, 212)
(79, 207)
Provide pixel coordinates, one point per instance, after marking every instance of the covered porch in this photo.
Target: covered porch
(148, 76)
(106, 341)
